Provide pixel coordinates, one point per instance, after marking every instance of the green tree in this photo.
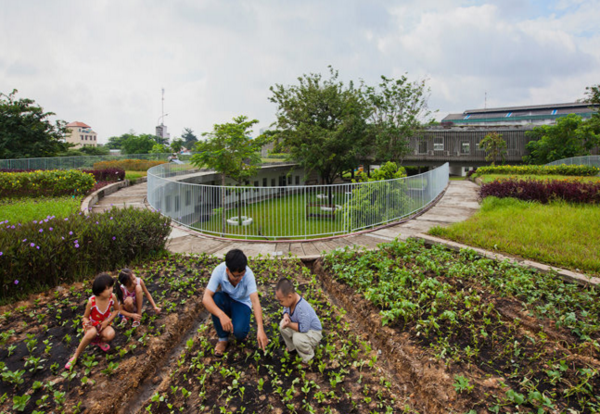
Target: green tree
(399, 109)
(494, 146)
(189, 138)
(25, 130)
(138, 144)
(230, 150)
(571, 136)
(177, 144)
(322, 123)
(159, 149)
(389, 171)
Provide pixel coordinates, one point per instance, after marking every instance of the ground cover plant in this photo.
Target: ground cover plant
(544, 191)
(559, 234)
(29, 209)
(38, 336)
(488, 178)
(46, 252)
(574, 170)
(344, 377)
(506, 339)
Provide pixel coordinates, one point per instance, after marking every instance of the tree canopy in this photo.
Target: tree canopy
(189, 139)
(132, 143)
(494, 146)
(322, 123)
(26, 131)
(230, 150)
(571, 136)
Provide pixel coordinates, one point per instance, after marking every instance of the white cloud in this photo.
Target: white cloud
(105, 62)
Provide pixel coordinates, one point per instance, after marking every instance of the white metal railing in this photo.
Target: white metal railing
(592, 160)
(289, 212)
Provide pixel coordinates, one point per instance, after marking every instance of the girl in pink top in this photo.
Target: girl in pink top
(131, 294)
(98, 317)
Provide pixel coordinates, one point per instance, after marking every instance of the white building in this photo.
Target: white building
(81, 135)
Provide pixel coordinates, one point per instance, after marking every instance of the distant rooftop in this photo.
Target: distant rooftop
(78, 124)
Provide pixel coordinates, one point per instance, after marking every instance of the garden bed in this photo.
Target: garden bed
(478, 334)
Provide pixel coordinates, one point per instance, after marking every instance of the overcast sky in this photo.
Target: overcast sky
(104, 62)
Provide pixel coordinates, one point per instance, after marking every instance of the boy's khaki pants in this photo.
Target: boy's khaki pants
(304, 343)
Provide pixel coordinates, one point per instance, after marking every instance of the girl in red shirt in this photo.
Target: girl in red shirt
(98, 317)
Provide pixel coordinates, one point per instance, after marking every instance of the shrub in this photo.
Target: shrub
(108, 174)
(544, 191)
(50, 183)
(128, 165)
(44, 254)
(576, 170)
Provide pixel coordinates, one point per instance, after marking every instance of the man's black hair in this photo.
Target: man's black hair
(236, 260)
(285, 286)
(101, 282)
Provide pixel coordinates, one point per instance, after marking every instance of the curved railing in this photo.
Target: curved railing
(67, 163)
(592, 160)
(289, 211)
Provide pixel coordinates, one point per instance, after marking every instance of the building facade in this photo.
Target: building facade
(81, 135)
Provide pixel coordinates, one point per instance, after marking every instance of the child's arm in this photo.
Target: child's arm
(156, 308)
(86, 316)
(113, 315)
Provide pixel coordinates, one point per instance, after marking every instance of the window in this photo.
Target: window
(264, 182)
(272, 182)
(255, 183)
(289, 180)
(465, 147)
(423, 147)
(468, 116)
(297, 180)
(438, 144)
(188, 197)
(176, 203)
(508, 115)
(554, 111)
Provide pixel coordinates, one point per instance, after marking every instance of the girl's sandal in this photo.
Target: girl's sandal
(103, 346)
(135, 324)
(72, 361)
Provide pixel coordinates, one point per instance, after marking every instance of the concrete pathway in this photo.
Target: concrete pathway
(458, 203)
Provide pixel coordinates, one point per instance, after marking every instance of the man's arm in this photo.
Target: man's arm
(211, 306)
(261, 336)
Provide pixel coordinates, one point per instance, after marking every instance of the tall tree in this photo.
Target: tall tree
(189, 138)
(138, 144)
(25, 130)
(494, 146)
(177, 144)
(399, 108)
(571, 136)
(322, 123)
(230, 150)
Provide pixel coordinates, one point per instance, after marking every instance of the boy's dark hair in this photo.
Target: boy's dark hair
(285, 286)
(124, 277)
(101, 282)
(236, 260)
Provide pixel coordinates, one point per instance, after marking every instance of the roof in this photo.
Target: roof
(78, 124)
(532, 112)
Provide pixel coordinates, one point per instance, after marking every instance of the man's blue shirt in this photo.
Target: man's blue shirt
(241, 292)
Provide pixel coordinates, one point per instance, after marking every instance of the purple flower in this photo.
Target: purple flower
(32, 244)
(41, 230)
(16, 282)
(38, 247)
(46, 221)
(35, 221)
(24, 240)
(77, 246)
(12, 227)
(76, 241)
(114, 238)
(66, 219)
(1, 253)
(111, 218)
(97, 223)
(50, 229)
(62, 237)
(70, 233)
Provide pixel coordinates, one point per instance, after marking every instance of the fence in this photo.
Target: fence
(289, 212)
(67, 163)
(592, 160)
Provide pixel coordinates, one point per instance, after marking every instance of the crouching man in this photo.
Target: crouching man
(300, 326)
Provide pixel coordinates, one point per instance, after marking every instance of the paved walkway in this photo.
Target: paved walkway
(458, 203)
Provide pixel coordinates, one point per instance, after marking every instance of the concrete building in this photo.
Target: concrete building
(520, 115)
(81, 135)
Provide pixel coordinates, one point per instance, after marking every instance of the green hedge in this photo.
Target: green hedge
(572, 170)
(44, 254)
(49, 183)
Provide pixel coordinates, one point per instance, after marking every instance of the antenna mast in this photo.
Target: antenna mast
(163, 108)
(484, 99)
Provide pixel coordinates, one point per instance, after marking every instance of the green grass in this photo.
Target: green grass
(25, 210)
(457, 178)
(134, 175)
(492, 177)
(559, 234)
